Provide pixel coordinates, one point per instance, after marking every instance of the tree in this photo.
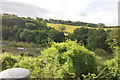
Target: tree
(113, 39)
(25, 34)
(97, 39)
(115, 34)
(17, 35)
(81, 34)
(11, 20)
(30, 38)
(56, 35)
(30, 26)
(5, 32)
(62, 28)
(41, 37)
(39, 19)
(43, 23)
(70, 36)
(101, 25)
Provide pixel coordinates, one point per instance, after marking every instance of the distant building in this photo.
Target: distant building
(22, 49)
(3, 43)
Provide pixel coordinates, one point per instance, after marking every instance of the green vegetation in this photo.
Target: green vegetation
(62, 28)
(65, 60)
(68, 60)
(68, 28)
(25, 29)
(77, 23)
(71, 28)
(60, 50)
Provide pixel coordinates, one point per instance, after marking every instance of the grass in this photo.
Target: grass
(70, 28)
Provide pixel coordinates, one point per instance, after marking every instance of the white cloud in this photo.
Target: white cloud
(104, 11)
(95, 11)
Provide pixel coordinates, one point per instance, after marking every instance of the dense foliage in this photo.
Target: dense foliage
(68, 60)
(28, 30)
(93, 39)
(65, 60)
(48, 53)
(61, 60)
(77, 23)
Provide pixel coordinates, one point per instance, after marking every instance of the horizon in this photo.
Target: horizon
(89, 11)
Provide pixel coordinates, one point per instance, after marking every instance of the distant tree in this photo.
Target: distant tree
(30, 38)
(97, 39)
(43, 23)
(71, 36)
(41, 37)
(25, 34)
(115, 34)
(30, 26)
(101, 25)
(17, 35)
(56, 36)
(12, 20)
(13, 31)
(81, 34)
(113, 39)
(5, 32)
(62, 28)
(40, 19)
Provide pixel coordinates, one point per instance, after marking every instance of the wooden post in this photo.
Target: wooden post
(15, 74)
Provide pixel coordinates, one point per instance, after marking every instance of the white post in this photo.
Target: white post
(15, 74)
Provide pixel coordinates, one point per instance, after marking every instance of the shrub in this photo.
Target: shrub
(100, 52)
(113, 65)
(33, 64)
(67, 60)
(61, 60)
(7, 61)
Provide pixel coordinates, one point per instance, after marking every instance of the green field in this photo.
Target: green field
(70, 28)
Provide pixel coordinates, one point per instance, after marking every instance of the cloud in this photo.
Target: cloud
(103, 11)
(23, 9)
(94, 11)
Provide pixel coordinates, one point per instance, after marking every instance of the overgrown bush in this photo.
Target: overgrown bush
(113, 65)
(61, 60)
(31, 63)
(7, 61)
(100, 52)
(68, 60)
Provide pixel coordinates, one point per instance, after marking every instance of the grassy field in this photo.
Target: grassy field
(70, 28)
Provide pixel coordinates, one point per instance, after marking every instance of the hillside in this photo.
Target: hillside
(60, 49)
(70, 28)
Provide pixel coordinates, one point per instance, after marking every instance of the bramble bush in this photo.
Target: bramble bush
(7, 61)
(33, 64)
(113, 65)
(68, 60)
(61, 60)
(65, 60)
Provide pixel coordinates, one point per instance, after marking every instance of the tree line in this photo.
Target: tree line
(28, 30)
(74, 23)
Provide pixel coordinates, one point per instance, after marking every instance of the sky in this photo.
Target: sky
(92, 11)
